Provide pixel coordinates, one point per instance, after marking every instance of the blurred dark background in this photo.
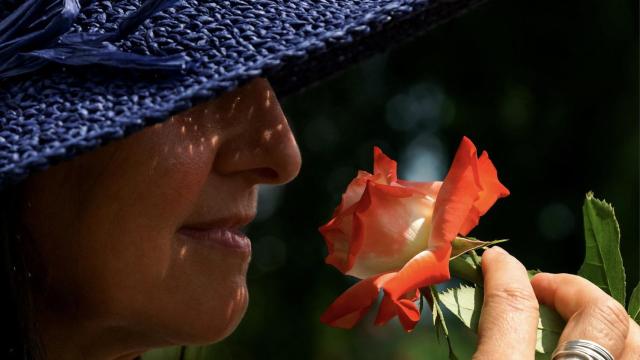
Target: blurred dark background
(549, 89)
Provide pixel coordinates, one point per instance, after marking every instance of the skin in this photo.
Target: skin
(509, 318)
(112, 276)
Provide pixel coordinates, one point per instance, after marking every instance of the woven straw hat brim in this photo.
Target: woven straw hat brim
(59, 111)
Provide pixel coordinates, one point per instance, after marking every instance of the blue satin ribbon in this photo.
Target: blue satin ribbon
(36, 33)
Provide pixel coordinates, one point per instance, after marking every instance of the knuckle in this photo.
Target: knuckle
(514, 299)
(613, 316)
(616, 312)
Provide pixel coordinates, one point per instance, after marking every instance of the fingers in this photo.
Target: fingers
(509, 317)
(590, 313)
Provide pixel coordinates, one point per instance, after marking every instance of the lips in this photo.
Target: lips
(229, 238)
(221, 232)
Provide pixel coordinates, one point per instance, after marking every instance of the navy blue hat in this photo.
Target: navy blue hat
(75, 74)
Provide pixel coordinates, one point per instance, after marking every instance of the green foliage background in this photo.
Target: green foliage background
(549, 89)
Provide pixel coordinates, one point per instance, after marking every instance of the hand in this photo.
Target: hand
(590, 313)
(509, 318)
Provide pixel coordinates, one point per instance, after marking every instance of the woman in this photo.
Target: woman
(107, 245)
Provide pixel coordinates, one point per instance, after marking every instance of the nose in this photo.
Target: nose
(257, 141)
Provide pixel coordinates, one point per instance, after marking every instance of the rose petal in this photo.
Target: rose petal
(382, 164)
(457, 195)
(492, 189)
(353, 304)
(427, 268)
(386, 310)
(408, 313)
(391, 224)
(337, 236)
(428, 189)
(354, 191)
(401, 291)
(337, 232)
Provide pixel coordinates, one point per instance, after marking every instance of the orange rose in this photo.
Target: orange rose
(396, 235)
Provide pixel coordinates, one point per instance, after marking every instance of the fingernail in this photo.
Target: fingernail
(500, 250)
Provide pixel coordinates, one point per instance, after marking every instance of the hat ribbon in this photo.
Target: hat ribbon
(37, 33)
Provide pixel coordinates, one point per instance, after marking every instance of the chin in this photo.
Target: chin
(219, 322)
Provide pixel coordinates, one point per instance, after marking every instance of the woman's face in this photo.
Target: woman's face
(105, 225)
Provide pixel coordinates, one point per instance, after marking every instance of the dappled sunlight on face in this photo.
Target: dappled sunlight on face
(267, 101)
(214, 140)
(201, 126)
(183, 251)
(112, 216)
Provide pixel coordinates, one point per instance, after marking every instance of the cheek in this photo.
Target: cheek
(182, 292)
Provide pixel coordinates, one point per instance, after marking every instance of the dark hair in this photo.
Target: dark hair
(20, 340)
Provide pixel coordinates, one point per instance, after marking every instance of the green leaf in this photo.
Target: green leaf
(439, 321)
(602, 263)
(466, 267)
(462, 245)
(466, 303)
(550, 326)
(200, 352)
(634, 304)
(166, 353)
(531, 273)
